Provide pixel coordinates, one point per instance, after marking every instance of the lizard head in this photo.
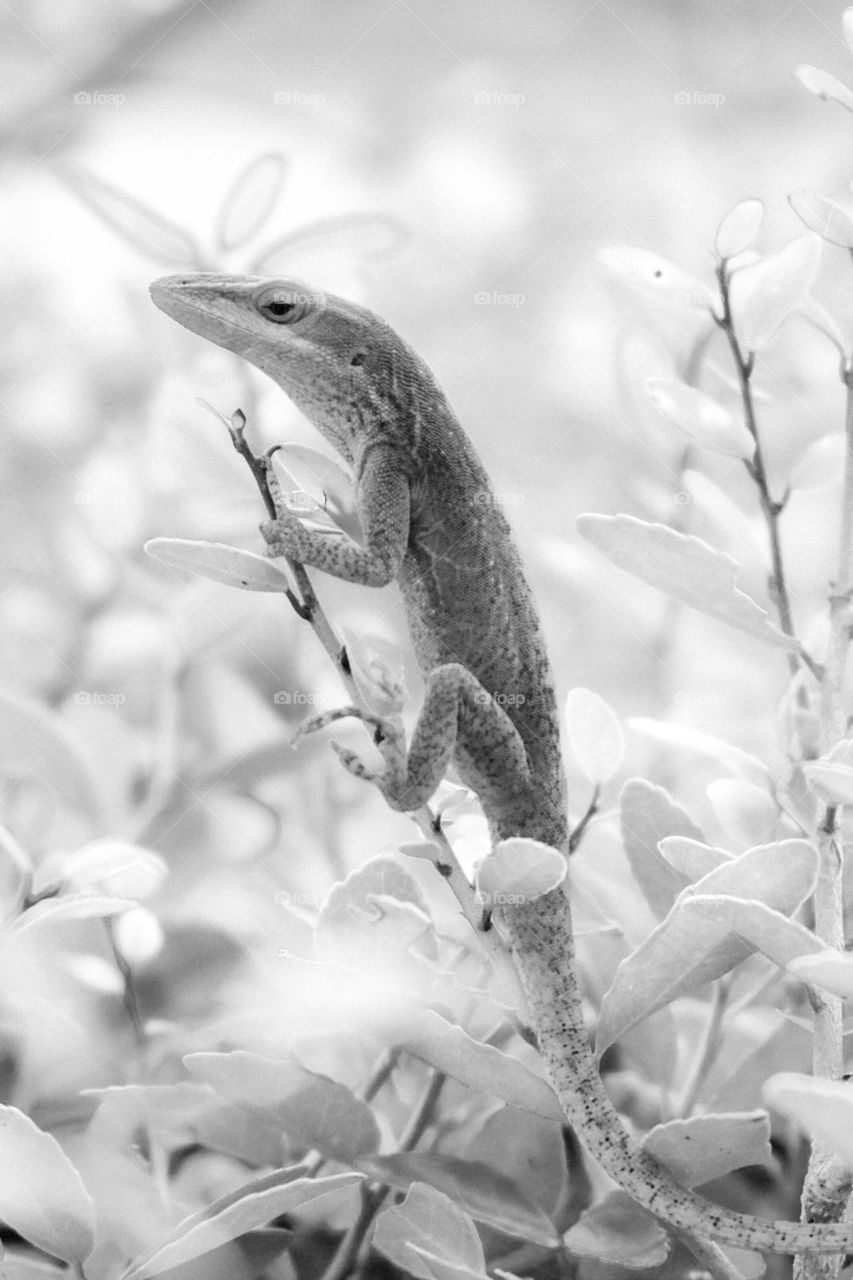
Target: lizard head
(338, 362)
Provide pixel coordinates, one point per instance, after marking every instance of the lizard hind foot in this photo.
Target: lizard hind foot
(354, 764)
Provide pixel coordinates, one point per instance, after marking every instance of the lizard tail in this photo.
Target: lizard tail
(541, 936)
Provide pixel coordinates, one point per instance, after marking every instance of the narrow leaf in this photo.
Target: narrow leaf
(140, 226)
(619, 1232)
(830, 970)
(738, 229)
(432, 1222)
(821, 466)
(825, 86)
(761, 927)
(231, 565)
(828, 219)
(257, 1203)
(71, 906)
(251, 200)
(595, 735)
(35, 743)
(684, 738)
(710, 930)
(684, 567)
(707, 1147)
(42, 1195)
(749, 814)
(692, 858)
(823, 1108)
(366, 235)
(310, 1107)
(519, 871)
(484, 1193)
(483, 1068)
(646, 815)
(700, 417)
(831, 783)
(764, 295)
(657, 277)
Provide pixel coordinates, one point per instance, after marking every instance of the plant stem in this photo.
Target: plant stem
(770, 507)
(354, 1250)
(826, 1187)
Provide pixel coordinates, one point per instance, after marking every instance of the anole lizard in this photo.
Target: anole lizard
(432, 524)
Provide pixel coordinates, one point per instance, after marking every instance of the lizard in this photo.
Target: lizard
(432, 524)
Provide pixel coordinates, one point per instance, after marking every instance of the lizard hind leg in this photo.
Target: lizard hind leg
(459, 721)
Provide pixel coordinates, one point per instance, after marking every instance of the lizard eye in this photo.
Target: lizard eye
(283, 306)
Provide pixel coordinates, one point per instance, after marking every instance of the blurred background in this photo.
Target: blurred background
(458, 168)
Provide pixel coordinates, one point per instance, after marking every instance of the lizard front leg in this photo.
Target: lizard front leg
(384, 510)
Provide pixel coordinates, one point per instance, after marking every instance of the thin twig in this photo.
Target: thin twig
(771, 508)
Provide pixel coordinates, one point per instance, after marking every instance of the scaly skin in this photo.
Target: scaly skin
(431, 522)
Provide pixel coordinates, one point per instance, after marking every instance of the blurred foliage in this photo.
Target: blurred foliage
(459, 172)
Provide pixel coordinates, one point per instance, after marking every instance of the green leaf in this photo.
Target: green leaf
(706, 1147)
(685, 567)
(311, 1108)
(739, 228)
(595, 735)
(646, 815)
(822, 1108)
(42, 1195)
(430, 1221)
(251, 200)
(518, 871)
(252, 1205)
(619, 1232)
(479, 1190)
(764, 294)
(825, 217)
(700, 417)
(657, 277)
(825, 86)
(220, 562)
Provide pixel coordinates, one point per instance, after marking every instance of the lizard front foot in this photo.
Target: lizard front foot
(284, 536)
